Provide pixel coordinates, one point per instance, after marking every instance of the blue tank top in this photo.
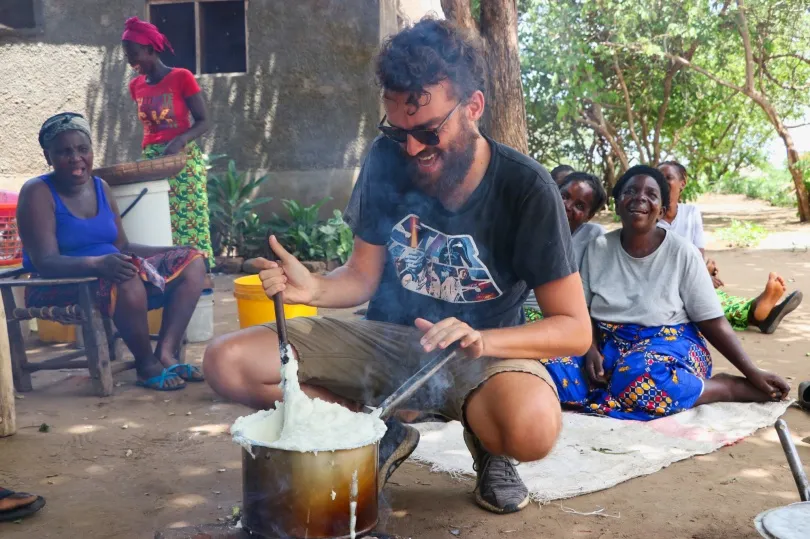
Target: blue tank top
(82, 237)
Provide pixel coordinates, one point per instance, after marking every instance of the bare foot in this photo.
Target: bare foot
(766, 301)
(16, 501)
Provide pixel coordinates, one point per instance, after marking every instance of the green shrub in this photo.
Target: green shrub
(235, 227)
(742, 234)
(770, 184)
(307, 237)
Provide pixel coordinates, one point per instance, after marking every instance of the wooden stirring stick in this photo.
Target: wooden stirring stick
(278, 305)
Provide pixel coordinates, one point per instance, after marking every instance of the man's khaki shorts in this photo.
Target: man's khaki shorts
(365, 361)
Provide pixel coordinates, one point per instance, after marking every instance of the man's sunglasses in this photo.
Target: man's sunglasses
(429, 137)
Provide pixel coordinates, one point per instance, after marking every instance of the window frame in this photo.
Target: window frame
(198, 33)
(39, 26)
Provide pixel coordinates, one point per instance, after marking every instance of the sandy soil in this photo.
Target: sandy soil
(183, 469)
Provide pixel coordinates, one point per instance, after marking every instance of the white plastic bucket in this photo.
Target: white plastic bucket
(149, 221)
(201, 325)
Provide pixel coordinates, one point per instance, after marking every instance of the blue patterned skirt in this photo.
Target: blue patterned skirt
(651, 372)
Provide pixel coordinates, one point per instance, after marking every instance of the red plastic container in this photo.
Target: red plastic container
(10, 243)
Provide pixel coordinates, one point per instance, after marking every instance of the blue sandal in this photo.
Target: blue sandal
(158, 383)
(187, 372)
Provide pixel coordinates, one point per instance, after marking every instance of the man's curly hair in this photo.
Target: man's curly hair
(427, 53)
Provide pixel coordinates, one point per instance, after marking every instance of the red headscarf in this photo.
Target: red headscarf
(145, 33)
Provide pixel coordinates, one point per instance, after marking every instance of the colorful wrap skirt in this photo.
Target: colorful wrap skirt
(155, 271)
(188, 201)
(651, 372)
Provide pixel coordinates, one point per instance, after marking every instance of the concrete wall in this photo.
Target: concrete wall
(305, 112)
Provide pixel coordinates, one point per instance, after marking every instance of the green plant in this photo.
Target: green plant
(771, 184)
(235, 227)
(742, 234)
(307, 237)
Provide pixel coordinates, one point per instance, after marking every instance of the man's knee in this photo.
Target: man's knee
(221, 357)
(518, 416)
(532, 430)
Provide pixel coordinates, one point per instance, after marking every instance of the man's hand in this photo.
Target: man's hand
(769, 383)
(287, 275)
(444, 333)
(594, 368)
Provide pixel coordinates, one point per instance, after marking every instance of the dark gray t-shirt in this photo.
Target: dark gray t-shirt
(476, 264)
(668, 287)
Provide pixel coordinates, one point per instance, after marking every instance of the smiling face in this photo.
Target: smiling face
(71, 156)
(142, 59)
(676, 182)
(438, 169)
(639, 205)
(578, 199)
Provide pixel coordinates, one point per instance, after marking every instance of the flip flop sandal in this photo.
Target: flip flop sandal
(158, 383)
(188, 372)
(20, 512)
(804, 396)
(776, 315)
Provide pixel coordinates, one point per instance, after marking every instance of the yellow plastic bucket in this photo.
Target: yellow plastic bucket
(256, 308)
(154, 318)
(54, 332)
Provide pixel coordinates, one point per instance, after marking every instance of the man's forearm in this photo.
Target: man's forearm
(343, 288)
(555, 336)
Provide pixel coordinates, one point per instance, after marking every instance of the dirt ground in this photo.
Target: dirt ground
(184, 470)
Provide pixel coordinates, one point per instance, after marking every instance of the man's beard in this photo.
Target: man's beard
(455, 164)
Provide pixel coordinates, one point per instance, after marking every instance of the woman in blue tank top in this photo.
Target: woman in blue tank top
(70, 227)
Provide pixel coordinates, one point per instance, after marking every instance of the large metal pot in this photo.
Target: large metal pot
(306, 495)
(297, 495)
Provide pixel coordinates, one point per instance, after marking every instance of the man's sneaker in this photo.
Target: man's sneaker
(395, 447)
(498, 487)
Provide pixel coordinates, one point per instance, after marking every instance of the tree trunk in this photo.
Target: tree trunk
(505, 114)
(802, 199)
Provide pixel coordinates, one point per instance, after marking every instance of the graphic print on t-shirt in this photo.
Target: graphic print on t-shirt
(157, 113)
(432, 263)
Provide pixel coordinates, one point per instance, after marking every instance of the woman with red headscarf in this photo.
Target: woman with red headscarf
(167, 99)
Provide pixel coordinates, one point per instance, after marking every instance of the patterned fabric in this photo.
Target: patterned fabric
(155, 271)
(651, 372)
(736, 309)
(188, 201)
(532, 314)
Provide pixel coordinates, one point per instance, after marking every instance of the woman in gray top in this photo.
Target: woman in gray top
(583, 196)
(652, 302)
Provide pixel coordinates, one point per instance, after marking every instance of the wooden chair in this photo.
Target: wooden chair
(98, 332)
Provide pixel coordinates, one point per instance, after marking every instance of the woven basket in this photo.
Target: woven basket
(146, 170)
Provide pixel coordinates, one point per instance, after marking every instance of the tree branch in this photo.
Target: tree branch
(677, 137)
(742, 24)
(685, 63)
(629, 108)
(662, 110)
(460, 12)
(599, 127)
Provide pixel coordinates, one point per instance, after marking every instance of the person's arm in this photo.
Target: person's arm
(36, 220)
(720, 335)
(348, 286)
(196, 105)
(193, 97)
(121, 242)
(353, 283)
(564, 330)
